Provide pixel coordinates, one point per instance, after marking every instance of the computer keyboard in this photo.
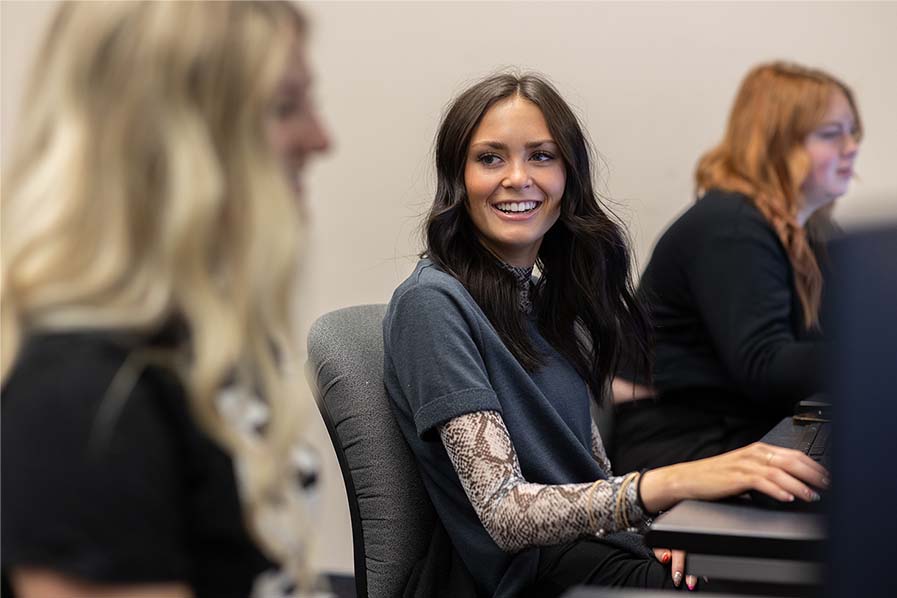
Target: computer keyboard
(814, 441)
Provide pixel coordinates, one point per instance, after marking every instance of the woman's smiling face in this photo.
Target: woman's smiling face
(515, 180)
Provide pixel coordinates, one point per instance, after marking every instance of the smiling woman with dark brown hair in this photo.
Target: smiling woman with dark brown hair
(491, 368)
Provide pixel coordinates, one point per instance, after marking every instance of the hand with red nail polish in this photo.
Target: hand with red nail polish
(678, 567)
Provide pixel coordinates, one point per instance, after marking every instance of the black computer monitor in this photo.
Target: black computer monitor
(863, 331)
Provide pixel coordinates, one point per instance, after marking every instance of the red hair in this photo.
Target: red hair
(762, 155)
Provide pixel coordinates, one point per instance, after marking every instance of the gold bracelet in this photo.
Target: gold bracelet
(624, 512)
(617, 520)
(620, 516)
(592, 524)
(635, 477)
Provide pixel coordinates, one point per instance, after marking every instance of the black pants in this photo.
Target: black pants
(595, 563)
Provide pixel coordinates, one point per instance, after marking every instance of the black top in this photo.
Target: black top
(109, 480)
(732, 352)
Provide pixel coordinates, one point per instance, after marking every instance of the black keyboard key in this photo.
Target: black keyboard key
(820, 442)
(806, 438)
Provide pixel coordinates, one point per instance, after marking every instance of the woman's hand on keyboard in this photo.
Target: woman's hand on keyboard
(784, 474)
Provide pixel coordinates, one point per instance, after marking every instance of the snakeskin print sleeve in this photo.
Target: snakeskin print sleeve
(598, 451)
(517, 513)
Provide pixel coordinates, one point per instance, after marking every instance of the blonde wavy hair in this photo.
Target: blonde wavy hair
(763, 156)
(142, 190)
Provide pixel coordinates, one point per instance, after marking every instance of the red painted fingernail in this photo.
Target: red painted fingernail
(665, 558)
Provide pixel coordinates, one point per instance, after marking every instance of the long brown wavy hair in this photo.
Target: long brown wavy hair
(762, 155)
(586, 307)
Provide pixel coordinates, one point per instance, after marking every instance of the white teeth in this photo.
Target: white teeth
(517, 206)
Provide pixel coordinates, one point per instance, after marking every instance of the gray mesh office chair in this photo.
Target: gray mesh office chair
(392, 517)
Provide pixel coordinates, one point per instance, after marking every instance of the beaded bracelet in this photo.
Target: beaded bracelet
(621, 518)
(592, 524)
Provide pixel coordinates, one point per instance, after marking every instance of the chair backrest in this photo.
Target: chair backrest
(392, 517)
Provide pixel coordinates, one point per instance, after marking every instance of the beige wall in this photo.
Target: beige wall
(652, 81)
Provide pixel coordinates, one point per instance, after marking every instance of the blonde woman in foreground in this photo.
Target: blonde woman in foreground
(150, 233)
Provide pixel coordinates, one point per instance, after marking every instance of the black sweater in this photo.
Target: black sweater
(116, 486)
(732, 352)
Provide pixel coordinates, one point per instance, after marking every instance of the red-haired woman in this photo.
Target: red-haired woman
(735, 283)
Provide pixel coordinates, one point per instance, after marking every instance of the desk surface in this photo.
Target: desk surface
(584, 592)
(737, 540)
(733, 529)
(738, 528)
(589, 592)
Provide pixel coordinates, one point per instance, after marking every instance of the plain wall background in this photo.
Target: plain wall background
(652, 82)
